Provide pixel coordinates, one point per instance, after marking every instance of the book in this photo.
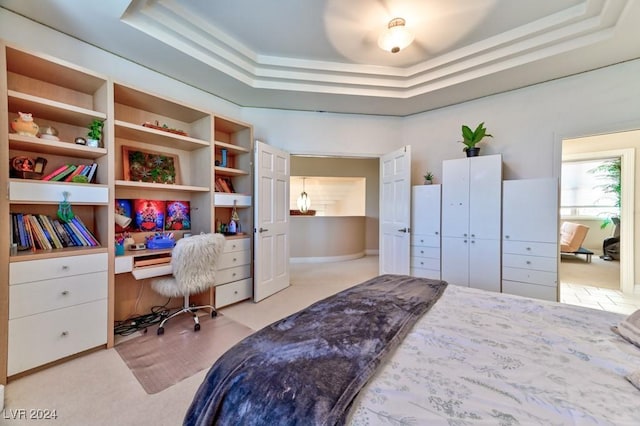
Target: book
(55, 172)
(49, 232)
(24, 238)
(76, 172)
(85, 231)
(78, 234)
(38, 233)
(68, 242)
(91, 174)
(72, 234)
(64, 173)
(29, 232)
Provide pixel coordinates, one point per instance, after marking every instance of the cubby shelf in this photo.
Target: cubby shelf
(227, 171)
(51, 147)
(231, 148)
(160, 186)
(52, 110)
(23, 256)
(148, 135)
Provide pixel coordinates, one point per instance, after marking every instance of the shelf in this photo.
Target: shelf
(42, 108)
(46, 146)
(231, 148)
(227, 171)
(140, 133)
(23, 256)
(160, 186)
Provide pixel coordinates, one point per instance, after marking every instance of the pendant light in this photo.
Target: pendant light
(304, 202)
(396, 37)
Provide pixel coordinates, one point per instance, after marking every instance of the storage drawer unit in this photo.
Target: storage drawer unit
(233, 278)
(228, 294)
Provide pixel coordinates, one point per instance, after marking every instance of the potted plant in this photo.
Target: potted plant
(428, 178)
(95, 133)
(472, 137)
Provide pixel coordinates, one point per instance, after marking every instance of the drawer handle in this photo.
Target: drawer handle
(64, 334)
(422, 241)
(437, 233)
(234, 274)
(529, 248)
(506, 236)
(528, 262)
(65, 267)
(65, 292)
(235, 292)
(235, 260)
(233, 246)
(421, 251)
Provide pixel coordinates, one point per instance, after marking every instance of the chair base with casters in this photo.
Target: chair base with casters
(187, 308)
(193, 265)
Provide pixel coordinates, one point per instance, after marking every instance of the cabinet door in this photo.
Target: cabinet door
(455, 261)
(425, 210)
(485, 196)
(484, 264)
(530, 210)
(455, 198)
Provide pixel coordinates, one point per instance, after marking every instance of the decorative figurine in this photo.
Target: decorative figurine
(24, 125)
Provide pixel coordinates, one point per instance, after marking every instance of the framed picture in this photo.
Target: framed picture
(150, 166)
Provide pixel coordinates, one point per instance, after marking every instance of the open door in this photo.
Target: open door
(271, 242)
(395, 211)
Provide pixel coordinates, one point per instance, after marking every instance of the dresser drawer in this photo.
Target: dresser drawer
(425, 240)
(38, 191)
(237, 244)
(425, 273)
(530, 248)
(430, 252)
(233, 292)
(530, 290)
(41, 296)
(232, 274)
(549, 264)
(425, 263)
(549, 279)
(229, 200)
(38, 339)
(229, 260)
(59, 267)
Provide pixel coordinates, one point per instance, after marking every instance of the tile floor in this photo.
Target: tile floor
(599, 298)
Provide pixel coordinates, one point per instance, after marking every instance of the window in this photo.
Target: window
(590, 188)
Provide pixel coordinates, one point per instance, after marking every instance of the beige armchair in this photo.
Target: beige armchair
(572, 236)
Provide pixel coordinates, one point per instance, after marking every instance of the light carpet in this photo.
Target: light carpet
(159, 362)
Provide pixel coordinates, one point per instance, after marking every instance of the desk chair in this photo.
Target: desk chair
(193, 261)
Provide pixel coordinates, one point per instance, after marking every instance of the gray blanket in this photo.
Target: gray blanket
(308, 367)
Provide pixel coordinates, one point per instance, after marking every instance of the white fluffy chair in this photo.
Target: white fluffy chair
(194, 263)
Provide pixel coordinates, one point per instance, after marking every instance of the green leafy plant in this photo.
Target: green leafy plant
(610, 172)
(428, 176)
(80, 179)
(470, 138)
(95, 129)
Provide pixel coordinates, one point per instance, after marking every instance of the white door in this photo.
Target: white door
(455, 260)
(395, 211)
(485, 196)
(484, 264)
(271, 242)
(455, 198)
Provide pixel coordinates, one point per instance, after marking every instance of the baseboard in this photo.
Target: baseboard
(372, 252)
(326, 258)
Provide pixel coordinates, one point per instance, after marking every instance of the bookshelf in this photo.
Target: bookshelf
(66, 98)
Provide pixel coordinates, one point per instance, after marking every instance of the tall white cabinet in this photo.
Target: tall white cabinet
(530, 242)
(425, 231)
(471, 221)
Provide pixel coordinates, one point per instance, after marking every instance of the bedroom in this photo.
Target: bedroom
(531, 122)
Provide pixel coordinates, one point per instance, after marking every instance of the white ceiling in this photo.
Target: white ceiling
(321, 55)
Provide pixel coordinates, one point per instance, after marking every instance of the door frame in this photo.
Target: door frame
(627, 203)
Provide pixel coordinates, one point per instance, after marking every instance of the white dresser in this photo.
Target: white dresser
(530, 238)
(57, 307)
(425, 231)
(233, 278)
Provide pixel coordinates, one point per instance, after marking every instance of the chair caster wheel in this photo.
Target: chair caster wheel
(214, 314)
(160, 331)
(196, 327)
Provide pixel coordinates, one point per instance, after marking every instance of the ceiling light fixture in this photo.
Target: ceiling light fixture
(304, 202)
(396, 37)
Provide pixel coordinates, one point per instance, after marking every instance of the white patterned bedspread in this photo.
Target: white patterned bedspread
(494, 359)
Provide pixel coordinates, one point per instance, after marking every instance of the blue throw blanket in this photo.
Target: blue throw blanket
(308, 367)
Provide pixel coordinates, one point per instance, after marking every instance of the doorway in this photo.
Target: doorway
(597, 147)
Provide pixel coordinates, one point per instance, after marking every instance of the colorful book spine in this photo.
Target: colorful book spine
(38, 233)
(78, 234)
(63, 233)
(55, 172)
(24, 238)
(85, 231)
(29, 232)
(64, 173)
(46, 222)
(92, 172)
(72, 234)
(75, 173)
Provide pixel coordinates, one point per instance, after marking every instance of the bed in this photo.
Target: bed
(460, 356)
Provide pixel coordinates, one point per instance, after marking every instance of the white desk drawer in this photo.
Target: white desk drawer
(431, 252)
(425, 273)
(237, 244)
(549, 264)
(59, 267)
(41, 296)
(123, 264)
(47, 192)
(425, 263)
(229, 260)
(38, 339)
(228, 200)
(425, 240)
(530, 290)
(233, 274)
(549, 279)
(530, 248)
(233, 292)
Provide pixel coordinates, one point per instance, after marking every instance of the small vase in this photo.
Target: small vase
(472, 152)
(428, 182)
